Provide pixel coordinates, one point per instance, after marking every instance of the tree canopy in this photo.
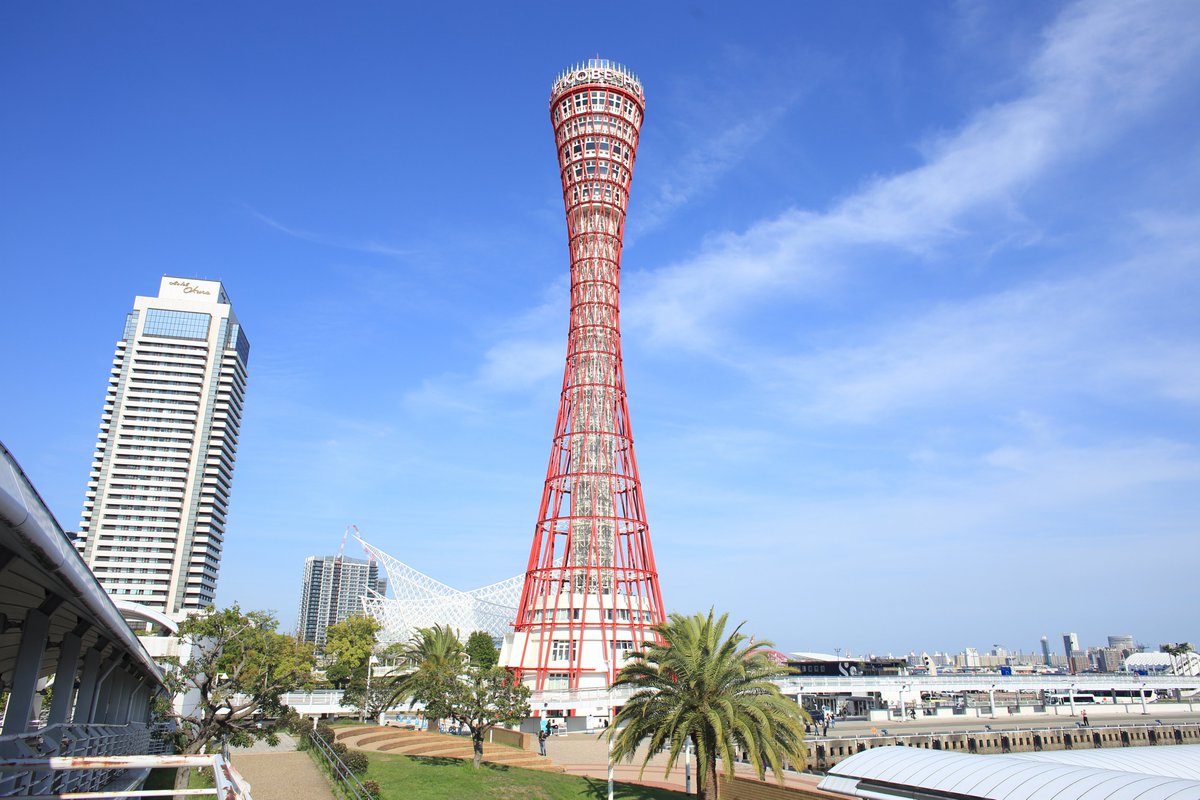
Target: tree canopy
(477, 697)
(229, 682)
(716, 692)
(482, 650)
(348, 648)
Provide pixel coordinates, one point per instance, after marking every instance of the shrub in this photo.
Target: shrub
(325, 732)
(356, 761)
(340, 750)
(372, 788)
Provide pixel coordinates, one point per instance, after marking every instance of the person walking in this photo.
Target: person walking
(543, 734)
(1085, 719)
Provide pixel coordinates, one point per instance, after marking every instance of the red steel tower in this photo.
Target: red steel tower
(591, 588)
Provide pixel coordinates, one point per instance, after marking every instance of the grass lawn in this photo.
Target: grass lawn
(407, 778)
(164, 778)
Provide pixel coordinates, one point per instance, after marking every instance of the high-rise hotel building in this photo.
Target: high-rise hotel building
(153, 524)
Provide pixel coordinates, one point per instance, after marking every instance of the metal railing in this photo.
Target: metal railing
(229, 784)
(342, 773)
(68, 743)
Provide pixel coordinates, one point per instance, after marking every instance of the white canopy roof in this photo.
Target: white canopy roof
(886, 772)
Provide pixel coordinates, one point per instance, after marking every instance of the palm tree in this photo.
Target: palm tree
(431, 654)
(696, 685)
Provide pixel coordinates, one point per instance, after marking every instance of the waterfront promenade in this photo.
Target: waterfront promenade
(587, 754)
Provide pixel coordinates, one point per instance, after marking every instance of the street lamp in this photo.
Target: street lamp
(687, 767)
(1143, 693)
(1071, 695)
(612, 730)
(362, 712)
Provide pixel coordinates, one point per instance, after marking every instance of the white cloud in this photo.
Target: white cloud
(365, 246)
(1101, 65)
(1085, 334)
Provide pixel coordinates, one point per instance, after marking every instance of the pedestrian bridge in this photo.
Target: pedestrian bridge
(59, 629)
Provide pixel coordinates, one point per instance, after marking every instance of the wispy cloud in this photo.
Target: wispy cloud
(1078, 334)
(699, 168)
(713, 122)
(1101, 64)
(365, 246)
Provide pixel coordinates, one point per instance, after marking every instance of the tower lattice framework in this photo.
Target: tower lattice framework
(591, 590)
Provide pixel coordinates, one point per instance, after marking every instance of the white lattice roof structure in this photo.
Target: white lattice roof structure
(419, 601)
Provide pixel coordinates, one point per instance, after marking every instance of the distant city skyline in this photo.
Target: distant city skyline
(908, 296)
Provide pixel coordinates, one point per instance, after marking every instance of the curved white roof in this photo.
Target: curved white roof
(1177, 761)
(894, 771)
(1183, 664)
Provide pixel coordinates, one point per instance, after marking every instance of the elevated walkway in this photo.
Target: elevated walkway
(405, 742)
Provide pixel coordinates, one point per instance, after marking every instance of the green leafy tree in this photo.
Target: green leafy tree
(349, 645)
(231, 685)
(348, 648)
(482, 650)
(477, 697)
(715, 691)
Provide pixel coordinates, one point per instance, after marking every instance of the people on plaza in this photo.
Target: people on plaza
(543, 734)
(1085, 719)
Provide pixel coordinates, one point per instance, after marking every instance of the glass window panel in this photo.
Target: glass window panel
(176, 324)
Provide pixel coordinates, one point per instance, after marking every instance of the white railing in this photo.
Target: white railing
(68, 743)
(229, 784)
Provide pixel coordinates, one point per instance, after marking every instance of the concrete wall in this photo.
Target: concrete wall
(824, 753)
(524, 741)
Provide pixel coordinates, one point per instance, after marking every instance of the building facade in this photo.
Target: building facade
(334, 589)
(157, 501)
(1071, 645)
(591, 590)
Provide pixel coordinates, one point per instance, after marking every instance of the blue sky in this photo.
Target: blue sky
(909, 301)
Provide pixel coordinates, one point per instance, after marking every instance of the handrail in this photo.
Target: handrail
(340, 771)
(995, 730)
(230, 785)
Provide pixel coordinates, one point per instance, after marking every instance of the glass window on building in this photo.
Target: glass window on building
(176, 324)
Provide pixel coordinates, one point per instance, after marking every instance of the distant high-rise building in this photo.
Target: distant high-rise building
(1122, 642)
(1046, 660)
(1071, 644)
(334, 588)
(157, 501)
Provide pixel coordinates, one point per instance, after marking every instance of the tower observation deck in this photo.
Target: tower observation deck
(591, 589)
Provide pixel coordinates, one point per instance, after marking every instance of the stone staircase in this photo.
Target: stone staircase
(407, 742)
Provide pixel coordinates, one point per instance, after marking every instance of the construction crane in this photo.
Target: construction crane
(345, 536)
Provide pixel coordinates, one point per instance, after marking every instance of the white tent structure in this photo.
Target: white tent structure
(906, 772)
(1184, 664)
(419, 601)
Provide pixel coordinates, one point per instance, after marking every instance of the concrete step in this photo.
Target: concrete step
(404, 741)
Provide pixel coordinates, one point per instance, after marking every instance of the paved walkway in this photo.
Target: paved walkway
(587, 755)
(281, 772)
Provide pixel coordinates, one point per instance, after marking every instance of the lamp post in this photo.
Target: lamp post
(992, 700)
(612, 730)
(362, 711)
(1071, 696)
(687, 767)
(1143, 693)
